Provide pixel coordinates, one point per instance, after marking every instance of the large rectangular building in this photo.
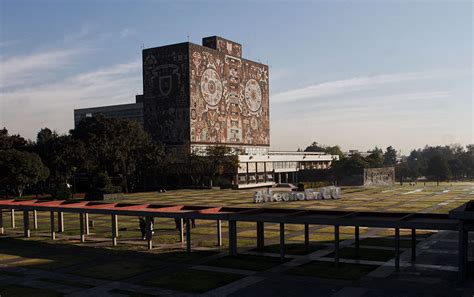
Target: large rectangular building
(195, 96)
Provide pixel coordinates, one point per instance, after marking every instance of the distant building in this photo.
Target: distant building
(131, 111)
(196, 96)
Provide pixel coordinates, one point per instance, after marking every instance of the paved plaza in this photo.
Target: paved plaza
(67, 267)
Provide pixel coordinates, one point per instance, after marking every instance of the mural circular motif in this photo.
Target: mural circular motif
(211, 87)
(253, 95)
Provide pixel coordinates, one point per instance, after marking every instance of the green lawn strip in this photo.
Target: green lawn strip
(323, 269)
(65, 282)
(192, 280)
(130, 293)
(365, 254)
(117, 269)
(292, 248)
(24, 291)
(246, 262)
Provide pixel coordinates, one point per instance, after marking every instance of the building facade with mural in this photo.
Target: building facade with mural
(195, 96)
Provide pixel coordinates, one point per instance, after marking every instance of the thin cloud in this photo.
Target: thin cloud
(346, 86)
(52, 104)
(17, 70)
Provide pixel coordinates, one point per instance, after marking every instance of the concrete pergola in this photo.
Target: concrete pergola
(460, 220)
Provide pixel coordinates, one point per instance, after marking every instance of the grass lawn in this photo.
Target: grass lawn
(292, 248)
(366, 254)
(192, 280)
(23, 291)
(246, 262)
(328, 270)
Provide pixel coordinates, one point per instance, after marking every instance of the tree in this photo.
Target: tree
(314, 147)
(334, 150)
(402, 171)
(115, 146)
(221, 161)
(375, 159)
(21, 169)
(61, 154)
(390, 157)
(438, 168)
(12, 141)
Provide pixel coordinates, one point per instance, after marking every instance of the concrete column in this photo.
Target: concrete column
(181, 230)
(26, 223)
(357, 241)
(81, 226)
(86, 222)
(60, 221)
(2, 228)
(114, 229)
(188, 235)
(219, 233)
(462, 242)
(306, 237)
(397, 249)
(53, 233)
(279, 178)
(336, 245)
(35, 220)
(413, 245)
(282, 241)
(13, 218)
(260, 236)
(149, 234)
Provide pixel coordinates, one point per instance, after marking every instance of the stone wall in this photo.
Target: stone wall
(379, 176)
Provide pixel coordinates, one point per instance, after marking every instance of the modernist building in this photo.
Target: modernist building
(195, 96)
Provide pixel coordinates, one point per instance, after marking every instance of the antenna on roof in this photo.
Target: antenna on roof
(143, 45)
(187, 37)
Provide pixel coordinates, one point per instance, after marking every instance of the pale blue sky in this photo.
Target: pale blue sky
(354, 73)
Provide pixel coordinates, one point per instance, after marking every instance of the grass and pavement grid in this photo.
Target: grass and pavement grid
(67, 267)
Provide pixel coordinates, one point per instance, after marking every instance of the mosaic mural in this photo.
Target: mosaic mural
(166, 93)
(228, 97)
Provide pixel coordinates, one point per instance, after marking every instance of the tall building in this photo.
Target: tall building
(195, 96)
